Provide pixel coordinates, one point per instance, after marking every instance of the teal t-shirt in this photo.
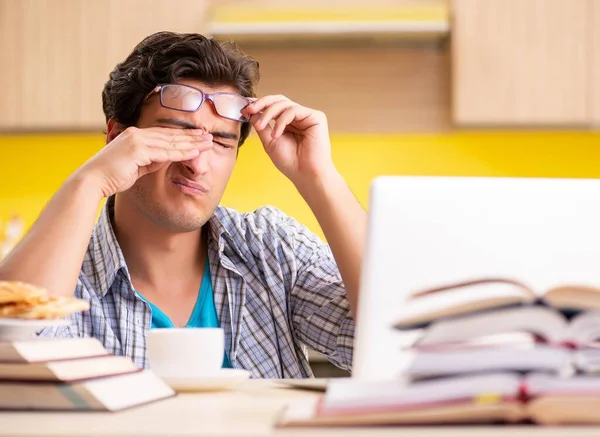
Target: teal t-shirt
(203, 316)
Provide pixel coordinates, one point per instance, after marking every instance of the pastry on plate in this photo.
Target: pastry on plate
(24, 301)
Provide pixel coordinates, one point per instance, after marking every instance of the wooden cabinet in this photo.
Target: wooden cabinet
(513, 63)
(523, 62)
(56, 55)
(359, 92)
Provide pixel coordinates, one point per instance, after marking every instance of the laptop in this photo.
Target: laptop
(430, 231)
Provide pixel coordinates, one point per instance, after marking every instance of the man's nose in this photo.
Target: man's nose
(200, 165)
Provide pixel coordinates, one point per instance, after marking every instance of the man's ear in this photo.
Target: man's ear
(113, 129)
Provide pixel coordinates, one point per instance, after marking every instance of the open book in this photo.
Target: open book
(482, 398)
(463, 298)
(542, 324)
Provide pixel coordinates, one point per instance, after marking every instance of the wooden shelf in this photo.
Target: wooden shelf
(266, 19)
(329, 28)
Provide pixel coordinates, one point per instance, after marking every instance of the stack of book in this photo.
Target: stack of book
(487, 351)
(39, 373)
(72, 374)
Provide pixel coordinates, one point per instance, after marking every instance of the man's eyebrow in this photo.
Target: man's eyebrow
(175, 122)
(225, 135)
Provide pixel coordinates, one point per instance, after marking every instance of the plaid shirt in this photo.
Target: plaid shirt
(277, 289)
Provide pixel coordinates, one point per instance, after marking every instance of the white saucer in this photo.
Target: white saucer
(22, 329)
(222, 380)
(316, 384)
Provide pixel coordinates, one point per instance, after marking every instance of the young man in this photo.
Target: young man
(165, 254)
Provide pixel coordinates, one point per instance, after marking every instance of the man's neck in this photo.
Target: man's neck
(154, 255)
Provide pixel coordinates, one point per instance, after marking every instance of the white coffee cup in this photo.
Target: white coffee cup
(186, 352)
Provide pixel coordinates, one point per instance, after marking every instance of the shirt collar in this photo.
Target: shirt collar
(107, 257)
(218, 229)
(221, 224)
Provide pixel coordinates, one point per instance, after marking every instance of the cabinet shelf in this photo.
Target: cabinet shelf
(268, 21)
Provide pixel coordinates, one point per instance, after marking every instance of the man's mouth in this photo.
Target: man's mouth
(189, 187)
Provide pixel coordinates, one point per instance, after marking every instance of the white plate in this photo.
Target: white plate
(21, 329)
(222, 380)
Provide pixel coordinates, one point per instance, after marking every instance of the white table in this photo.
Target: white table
(249, 410)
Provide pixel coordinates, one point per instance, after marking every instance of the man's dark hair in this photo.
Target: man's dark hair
(166, 57)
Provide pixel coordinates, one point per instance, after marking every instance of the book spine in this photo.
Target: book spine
(76, 401)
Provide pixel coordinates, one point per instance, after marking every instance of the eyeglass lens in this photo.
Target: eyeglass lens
(184, 98)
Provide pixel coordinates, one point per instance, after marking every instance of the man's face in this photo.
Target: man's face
(182, 196)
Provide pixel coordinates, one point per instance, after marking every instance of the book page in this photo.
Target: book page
(441, 302)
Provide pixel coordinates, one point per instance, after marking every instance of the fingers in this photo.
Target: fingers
(173, 130)
(285, 113)
(176, 141)
(262, 103)
(272, 112)
(156, 154)
(158, 147)
(285, 119)
(190, 138)
(265, 134)
(156, 158)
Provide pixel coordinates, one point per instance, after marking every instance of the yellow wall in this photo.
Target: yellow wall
(33, 167)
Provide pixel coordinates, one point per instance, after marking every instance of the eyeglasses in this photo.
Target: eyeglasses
(189, 99)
